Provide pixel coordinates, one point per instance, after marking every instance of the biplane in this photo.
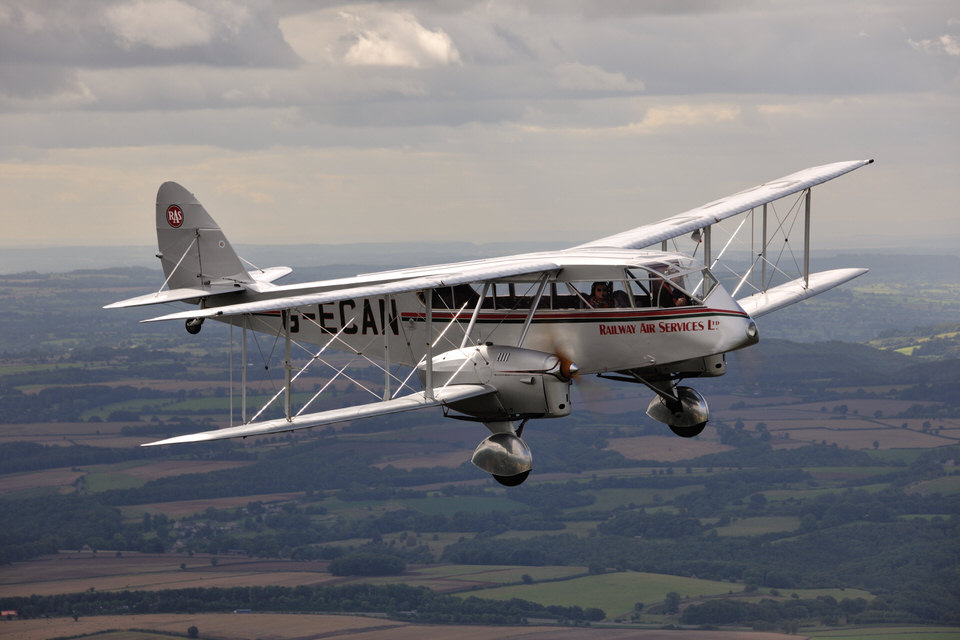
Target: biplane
(498, 341)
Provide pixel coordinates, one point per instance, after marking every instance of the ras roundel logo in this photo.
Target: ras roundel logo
(174, 216)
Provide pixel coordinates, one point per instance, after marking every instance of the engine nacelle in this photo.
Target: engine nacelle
(529, 384)
(708, 366)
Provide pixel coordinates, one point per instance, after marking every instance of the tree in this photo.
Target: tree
(193, 632)
(672, 602)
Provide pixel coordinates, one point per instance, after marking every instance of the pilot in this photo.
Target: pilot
(600, 295)
(670, 296)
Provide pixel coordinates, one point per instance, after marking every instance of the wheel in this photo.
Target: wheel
(512, 481)
(688, 432)
(194, 325)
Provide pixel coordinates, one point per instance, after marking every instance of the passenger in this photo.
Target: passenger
(600, 297)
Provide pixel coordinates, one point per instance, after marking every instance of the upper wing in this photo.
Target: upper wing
(450, 275)
(723, 208)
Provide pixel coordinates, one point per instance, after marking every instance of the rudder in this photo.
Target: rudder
(194, 252)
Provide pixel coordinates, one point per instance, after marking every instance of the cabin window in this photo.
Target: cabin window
(453, 297)
(666, 284)
(507, 296)
(703, 283)
(593, 294)
(638, 280)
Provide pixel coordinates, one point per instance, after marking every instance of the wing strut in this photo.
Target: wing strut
(243, 372)
(386, 348)
(428, 383)
(763, 252)
(287, 364)
(806, 238)
(473, 318)
(533, 309)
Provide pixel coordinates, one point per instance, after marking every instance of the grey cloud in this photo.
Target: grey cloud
(520, 63)
(36, 81)
(81, 34)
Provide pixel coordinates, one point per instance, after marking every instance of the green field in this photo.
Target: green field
(830, 473)
(96, 482)
(615, 593)
(607, 499)
(760, 525)
(947, 485)
(897, 456)
(104, 477)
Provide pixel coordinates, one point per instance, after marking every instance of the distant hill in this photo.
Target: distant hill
(775, 362)
(940, 341)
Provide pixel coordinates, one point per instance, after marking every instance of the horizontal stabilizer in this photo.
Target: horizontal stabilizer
(795, 291)
(260, 276)
(269, 274)
(442, 396)
(175, 295)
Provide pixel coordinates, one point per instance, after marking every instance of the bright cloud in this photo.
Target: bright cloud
(658, 119)
(397, 40)
(945, 44)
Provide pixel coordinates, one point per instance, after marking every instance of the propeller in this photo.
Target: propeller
(568, 368)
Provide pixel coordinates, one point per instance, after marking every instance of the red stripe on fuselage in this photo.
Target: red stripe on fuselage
(599, 315)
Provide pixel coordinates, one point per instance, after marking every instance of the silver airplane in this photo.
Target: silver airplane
(499, 340)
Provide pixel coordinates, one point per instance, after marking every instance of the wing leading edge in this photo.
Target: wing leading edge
(712, 212)
(760, 304)
(414, 401)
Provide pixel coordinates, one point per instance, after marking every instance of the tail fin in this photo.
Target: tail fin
(194, 252)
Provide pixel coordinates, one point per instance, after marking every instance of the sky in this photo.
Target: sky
(483, 121)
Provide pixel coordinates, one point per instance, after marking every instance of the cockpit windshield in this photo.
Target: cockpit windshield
(671, 283)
